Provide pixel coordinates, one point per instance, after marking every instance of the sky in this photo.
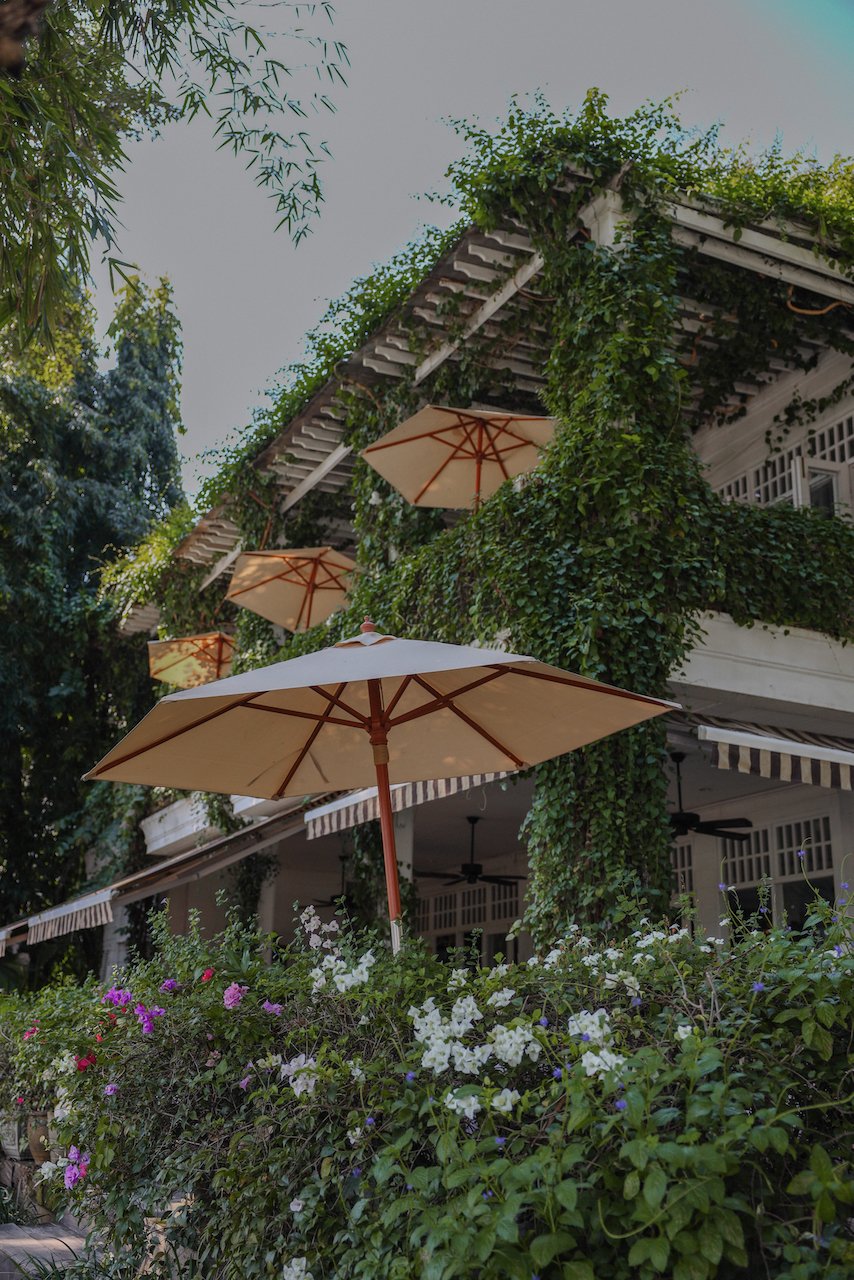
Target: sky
(246, 295)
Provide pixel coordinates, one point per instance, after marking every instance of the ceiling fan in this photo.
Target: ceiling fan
(343, 897)
(683, 823)
(471, 872)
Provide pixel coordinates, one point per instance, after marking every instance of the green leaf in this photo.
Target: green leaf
(566, 1194)
(631, 1186)
(710, 1242)
(654, 1187)
(544, 1248)
(821, 1164)
(578, 1271)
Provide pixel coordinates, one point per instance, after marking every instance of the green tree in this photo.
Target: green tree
(103, 71)
(89, 462)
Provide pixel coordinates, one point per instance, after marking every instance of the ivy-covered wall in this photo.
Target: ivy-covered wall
(603, 559)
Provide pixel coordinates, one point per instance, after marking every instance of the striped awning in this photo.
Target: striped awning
(81, 913)
(362, 806)
(815, 759)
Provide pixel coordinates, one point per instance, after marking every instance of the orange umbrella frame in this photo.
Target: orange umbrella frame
(213, 650)
(309, 567)
(487, 436)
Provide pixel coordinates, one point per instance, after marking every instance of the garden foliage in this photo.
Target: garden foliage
(659, 1106)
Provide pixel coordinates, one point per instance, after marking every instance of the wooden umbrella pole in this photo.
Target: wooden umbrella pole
(379, 742)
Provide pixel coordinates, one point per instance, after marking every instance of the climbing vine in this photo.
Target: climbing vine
(604, 559)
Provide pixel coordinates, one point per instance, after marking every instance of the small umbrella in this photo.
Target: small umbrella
(191, 660)
(370, 710)
(296, 589)
(444, 457)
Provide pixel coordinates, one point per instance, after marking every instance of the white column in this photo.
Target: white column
(404, 837)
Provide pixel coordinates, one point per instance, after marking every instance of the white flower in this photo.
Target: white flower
(631, 983)
(499, 999)
(297, 1205)
(552, 958)
(437, 1057)
(458, 978)
(596, 1062)
(464, 1015)
(467, 1107)
(500, 970)
(533, 962)
(299, 1071)
(297, 1269)
(353, 1136)
(470, 1061)
(592, 1027)
(46, 1170)
(356, 1072)
(505, 1101)
(314, 941)
(684, 1031)
(512, 1043)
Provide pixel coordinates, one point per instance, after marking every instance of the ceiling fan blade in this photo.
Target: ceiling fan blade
(722, 824)
(509, 882)
(709, 829)
(429, 875)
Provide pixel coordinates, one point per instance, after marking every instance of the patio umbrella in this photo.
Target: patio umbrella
(191, 660)
(296, 589)
(444, 457)
(367, 711)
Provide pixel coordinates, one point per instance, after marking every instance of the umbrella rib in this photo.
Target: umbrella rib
(520, 764)
(583, 684)
(335, 700)
(324, 719)
(177, 733)
(304, 715)
(404, 685)
(441, 699)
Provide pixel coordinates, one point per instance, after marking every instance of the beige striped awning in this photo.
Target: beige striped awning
(362, 806)
(81, 913)
(815, 759)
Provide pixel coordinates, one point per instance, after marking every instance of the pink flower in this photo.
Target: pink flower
(72, 1175)
(232, 995)
(244, 1083)
(110, 1089)
(33, 1031)
(171, 984)
(269, 1007)
(207, 975)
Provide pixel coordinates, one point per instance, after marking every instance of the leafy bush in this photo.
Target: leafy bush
(661, 1106)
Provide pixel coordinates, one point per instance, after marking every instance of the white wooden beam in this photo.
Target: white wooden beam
(221, 565)
(305, 486)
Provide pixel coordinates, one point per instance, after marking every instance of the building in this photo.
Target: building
(767, 731)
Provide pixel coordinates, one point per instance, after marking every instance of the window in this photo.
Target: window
(682, 861)
(770, 857)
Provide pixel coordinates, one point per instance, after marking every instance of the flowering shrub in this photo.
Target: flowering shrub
(659, 1106)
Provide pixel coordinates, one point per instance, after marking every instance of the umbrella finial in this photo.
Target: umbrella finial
(367, 626)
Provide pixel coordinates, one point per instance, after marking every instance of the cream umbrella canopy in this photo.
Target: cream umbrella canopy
(191, 660)
(294, 588)
(371, 710)
(445, 457)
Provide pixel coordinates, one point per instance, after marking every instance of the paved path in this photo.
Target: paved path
(50, 1243)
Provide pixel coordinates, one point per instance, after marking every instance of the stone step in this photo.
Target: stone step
(50, 1243)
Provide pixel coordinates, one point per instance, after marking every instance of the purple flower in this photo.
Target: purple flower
(147, 1016)
(758, 986)
(763, 911)
(409, 1186)
(72, 1175)
(557, 1074)
(74, 1154)
(244, 1083)
(357, 1171)
(801, 854)
(117, 996)
(410, 1075)
(110, 1089)
(837, 950)
(620, 1104)
(171, 984)
(499, 1142)
(369, 1122)
(722, 886)
(488, 1194)
(544, 1022)
(843, 884)
(269, 1007)
(636, 1002)
(586, 1038)
(232, 995)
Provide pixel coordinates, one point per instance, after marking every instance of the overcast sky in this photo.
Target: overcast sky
(246, 296)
